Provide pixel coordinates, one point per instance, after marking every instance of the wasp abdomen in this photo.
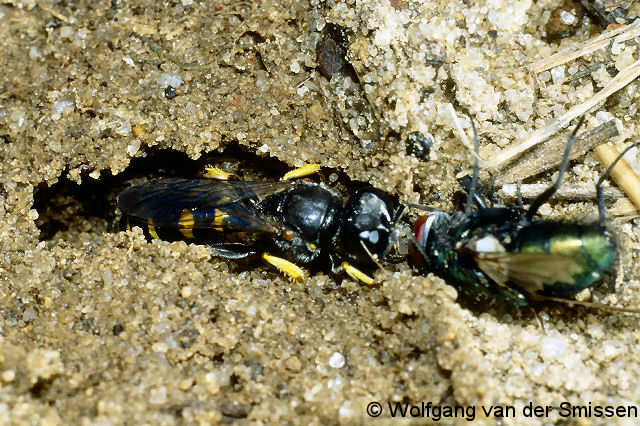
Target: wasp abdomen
(591, 247)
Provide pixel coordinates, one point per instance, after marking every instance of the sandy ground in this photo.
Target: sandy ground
(103, 327)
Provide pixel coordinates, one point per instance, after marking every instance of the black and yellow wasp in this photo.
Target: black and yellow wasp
(287, 223)
(495, 255)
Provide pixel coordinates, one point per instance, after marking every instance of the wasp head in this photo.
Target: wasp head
(369, 224)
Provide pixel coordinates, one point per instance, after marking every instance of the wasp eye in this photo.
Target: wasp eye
(370, 236)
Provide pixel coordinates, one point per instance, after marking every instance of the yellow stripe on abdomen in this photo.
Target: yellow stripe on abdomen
(185, 223)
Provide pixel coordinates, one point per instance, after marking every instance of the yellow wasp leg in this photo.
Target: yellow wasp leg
(305, 170)
(291, 270)
(152, 229)
(357, 274)
(213, 172)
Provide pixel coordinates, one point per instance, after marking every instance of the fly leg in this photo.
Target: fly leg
(544, 197)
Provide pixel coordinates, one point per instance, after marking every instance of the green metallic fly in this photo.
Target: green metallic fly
(496, 255)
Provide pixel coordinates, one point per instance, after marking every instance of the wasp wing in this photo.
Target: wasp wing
(199, 203)
(529, 271)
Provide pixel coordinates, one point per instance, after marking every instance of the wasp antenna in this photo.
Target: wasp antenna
(548, 193)
(606, 174)
(420, 207)
(371, 255)
(592, 305)
(476, 166)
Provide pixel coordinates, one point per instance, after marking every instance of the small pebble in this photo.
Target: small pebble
(8, 376)
(170, 92)
(158, 396)
(170, 79)
(337, 360)
(557, 75)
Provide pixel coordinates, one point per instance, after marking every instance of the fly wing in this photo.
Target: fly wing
(529, 271)
(199, 203)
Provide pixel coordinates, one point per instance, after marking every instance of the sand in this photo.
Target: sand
(102, 327)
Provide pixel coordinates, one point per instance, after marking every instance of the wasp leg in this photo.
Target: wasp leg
(152, 229)
(125, 223)
(357, 274)
(212, 172)
(232, 251)
(305, 170)
(291, 270)
(395, 260)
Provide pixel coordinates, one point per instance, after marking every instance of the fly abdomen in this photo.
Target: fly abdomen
(591, 248)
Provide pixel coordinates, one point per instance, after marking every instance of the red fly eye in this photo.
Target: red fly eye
(415, 258)
(418, 229)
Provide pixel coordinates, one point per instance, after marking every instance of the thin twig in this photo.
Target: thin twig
(585, 192)
(507, 155)
(596, 43)
(622, 174)
(548, 156)
(53, 12)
